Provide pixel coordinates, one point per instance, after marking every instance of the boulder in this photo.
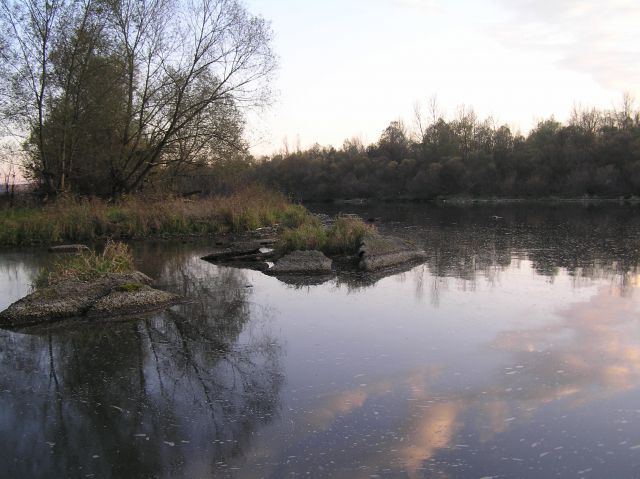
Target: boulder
(68, 248)
(130, 302)
(302, 262)
(380, 252)
(112, 294)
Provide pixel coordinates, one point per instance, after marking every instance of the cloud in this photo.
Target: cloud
(586, 36)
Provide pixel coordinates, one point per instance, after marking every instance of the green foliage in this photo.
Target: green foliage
(85, 266)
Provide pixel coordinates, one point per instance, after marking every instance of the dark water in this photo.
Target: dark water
(513, 352)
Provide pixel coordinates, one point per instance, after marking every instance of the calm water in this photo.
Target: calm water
(513, 352)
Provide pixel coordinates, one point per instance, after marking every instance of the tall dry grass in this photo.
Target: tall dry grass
(87, 265)
(343, 237)
(86, 219)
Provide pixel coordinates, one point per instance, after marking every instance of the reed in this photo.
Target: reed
(87, 219)
(343, 237)
(85, 266)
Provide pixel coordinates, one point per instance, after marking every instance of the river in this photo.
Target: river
(512, 352)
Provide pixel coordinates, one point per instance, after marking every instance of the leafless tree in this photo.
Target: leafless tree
(111, 91)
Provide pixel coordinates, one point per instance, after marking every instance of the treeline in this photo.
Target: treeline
(597, 153)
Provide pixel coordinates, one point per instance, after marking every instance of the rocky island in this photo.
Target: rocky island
(88, 286)
(322, 247)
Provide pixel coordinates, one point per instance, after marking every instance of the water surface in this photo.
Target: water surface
(513, 352)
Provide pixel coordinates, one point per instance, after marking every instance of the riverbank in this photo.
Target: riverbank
(470, 200)
(135, 217)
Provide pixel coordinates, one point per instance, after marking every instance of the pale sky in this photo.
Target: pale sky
(349, 67)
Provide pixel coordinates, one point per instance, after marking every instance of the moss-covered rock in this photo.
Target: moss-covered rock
(111, 294)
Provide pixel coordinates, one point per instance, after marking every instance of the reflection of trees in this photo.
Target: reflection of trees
(480, 241)
(184, 389)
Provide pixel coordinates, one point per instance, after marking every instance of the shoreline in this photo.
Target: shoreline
(480, 200)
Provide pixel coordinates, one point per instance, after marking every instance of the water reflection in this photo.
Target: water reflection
(182, 391)
(532, 417)
(513, 351)
(588, 242)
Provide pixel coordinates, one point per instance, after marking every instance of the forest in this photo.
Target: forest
(595, 154)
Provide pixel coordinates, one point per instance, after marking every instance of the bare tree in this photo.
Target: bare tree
(8, 171)
(114, 90)
(422, 123)
(30, 24)
(588, 119)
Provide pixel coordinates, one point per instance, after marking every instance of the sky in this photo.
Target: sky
(348, 68)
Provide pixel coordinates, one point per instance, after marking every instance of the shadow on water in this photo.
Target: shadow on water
(181, 391)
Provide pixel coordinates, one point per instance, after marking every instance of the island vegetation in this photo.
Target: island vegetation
(87, 265)
(88, 285)
(344, 236)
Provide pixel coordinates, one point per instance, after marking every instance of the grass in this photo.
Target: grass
(344, 237)
(87, 219)
(88, 265)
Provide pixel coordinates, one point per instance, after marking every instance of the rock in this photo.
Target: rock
(112, 294)
(379, 252)
(125, 303)
(238, 250)
(302, 262)
(249, 254)
(68, 248)
(268, 241)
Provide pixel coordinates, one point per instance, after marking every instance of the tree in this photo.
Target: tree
(113, 91)
(394, 141)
